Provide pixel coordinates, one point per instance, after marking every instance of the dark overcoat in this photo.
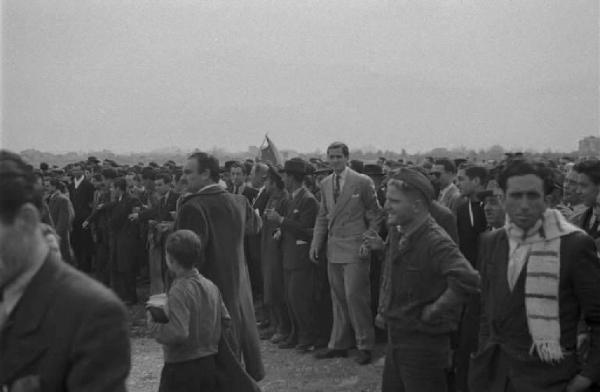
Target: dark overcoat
(221, 220)
(272, 254)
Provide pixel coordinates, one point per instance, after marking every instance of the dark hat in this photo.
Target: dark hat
(275, 171)
(294, 165)
(373, 170)
(415, 179)
(357, 165)
(483, 194)
(228, 164)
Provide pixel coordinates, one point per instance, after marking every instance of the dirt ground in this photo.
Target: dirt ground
(285, 369)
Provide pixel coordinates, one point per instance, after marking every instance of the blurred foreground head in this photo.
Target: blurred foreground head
(21, 238)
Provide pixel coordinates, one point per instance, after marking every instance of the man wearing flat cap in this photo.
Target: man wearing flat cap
(425, 280)
(299, 273)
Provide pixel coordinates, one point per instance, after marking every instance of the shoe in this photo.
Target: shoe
(287, 344)
(303, 348)
(326, 354)
(363, 357)
(266, 334)
(264, 324)
(319, 345)
(278, 338)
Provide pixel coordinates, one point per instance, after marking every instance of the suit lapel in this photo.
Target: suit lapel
(296, 201)
(345, 194)
(19, 347)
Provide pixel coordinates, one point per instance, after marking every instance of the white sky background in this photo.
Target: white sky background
(146, 74)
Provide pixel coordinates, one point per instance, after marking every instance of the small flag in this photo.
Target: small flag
(270, 153)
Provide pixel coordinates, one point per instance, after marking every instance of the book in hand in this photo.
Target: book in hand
(156, 305)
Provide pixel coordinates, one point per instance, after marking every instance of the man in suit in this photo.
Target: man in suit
(59, 329)
(252, 242)
(221, 220)
(238, 182)
(471, 222)
(442, 176)
(62, 213)
(166, 202)
(493, 208)
(540, 279)
(98, 223)
(348, 209)
(299, 272)
(81, 192)
(588, 190)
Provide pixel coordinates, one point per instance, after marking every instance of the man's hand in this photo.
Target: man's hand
(85, 224)
(273, 216)
(579, 383)
(430, 312)
(134, 216)
(380, 321)
(313, 253)
(372, 240)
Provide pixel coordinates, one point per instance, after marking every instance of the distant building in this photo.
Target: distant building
(589, 146)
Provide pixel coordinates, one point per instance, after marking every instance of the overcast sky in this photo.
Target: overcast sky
(139, 75)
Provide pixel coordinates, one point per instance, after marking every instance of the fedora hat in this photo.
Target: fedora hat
(294, 165)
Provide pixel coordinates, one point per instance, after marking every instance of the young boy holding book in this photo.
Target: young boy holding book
(191, 322)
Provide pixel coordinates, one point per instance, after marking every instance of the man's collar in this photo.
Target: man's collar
(297, 192)
(189, 274)
(444, 190)
(413, 226)
(13, 292)
(343, 173)
(214, 185)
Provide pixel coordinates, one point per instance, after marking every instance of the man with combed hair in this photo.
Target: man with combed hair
(221, 220)
(349, 208)
(540, 279)
(442, 175)
(60, 330)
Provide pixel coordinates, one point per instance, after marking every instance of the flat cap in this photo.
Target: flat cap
(415, 179)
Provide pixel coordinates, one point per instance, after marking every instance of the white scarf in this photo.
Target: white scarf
(542, 255)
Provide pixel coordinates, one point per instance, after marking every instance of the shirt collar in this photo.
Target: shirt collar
(78, 181)
(443, 191)
(189, 274)
(215, 185)
(297, 192)
(343, 174)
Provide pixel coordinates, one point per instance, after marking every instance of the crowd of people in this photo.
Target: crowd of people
(478, 275)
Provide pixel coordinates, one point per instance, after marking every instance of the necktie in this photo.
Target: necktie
(336, 188)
